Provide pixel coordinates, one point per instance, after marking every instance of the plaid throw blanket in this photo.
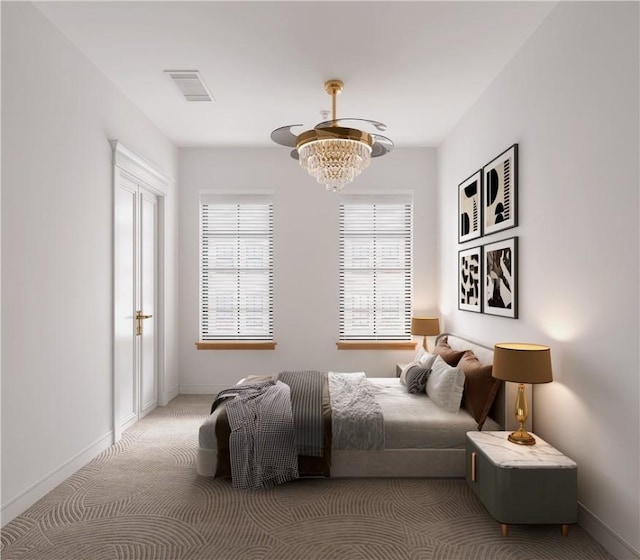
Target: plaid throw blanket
(262, 442)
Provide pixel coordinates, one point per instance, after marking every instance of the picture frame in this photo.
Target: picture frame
(500, 285)
(470, 279)
(500, 192)
(470, 208)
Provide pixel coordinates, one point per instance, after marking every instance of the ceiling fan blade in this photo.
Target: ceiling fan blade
(344, 122)
(294, 154)
(284, 136)
(381, 145)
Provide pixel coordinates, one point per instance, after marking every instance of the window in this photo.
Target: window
(375, 267)
(236, 268)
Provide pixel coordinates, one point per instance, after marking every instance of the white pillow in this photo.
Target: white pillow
(426, 360)
(420, 352)
(445, 385)
(422, 359)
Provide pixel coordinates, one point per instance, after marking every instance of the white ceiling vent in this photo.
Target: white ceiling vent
(190, 84)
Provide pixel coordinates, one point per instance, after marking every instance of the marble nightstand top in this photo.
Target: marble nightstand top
(509, 455)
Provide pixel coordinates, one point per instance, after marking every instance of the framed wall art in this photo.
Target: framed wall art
(500, 200)
(470, 280)
(470, 208)
(500, 270)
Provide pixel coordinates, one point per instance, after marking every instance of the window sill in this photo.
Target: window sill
(235, 345)
(376, 345)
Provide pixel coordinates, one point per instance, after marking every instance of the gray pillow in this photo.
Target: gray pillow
(422, 359)
(416, 378)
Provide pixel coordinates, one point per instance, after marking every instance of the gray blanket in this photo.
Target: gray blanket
(306, 407)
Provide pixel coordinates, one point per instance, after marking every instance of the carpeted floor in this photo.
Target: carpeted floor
(143, 500)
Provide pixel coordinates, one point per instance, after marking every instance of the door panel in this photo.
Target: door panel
(147, 294)
(124, 300)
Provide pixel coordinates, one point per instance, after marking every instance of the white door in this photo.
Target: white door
(135, 283)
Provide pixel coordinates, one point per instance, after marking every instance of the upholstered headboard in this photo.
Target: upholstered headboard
(503, 411)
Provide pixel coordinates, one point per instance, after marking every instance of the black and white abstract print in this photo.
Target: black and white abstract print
(469, 280)
(500, 278)
(469, 208)
(500, 191)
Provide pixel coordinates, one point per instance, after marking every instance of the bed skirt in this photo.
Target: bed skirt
(386, 463)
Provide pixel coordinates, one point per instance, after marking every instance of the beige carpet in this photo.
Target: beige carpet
(143, 500)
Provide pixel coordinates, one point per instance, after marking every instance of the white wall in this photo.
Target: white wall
(59, 114)
(570, 100)
(305, 260)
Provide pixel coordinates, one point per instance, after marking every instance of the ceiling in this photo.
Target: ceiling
(416, 66)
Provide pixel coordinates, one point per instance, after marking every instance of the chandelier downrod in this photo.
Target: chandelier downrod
(333, 88)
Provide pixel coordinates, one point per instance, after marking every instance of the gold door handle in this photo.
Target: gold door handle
(474, 460)
(139, 318)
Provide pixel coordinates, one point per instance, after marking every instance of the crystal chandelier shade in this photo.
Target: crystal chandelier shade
(334, 162)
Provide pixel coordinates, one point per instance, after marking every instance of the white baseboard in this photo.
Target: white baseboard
(24, 500)
(168, 395)
(201, 389)
(128, 422)
(606, 536)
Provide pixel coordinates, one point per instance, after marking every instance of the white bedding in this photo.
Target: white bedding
(413, 421)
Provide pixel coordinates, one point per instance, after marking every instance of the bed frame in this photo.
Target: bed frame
(428, 463)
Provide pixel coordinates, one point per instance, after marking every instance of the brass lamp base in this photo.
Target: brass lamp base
(522, 437)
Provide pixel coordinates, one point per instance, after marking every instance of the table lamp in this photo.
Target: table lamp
(425, 326)
(522, 363)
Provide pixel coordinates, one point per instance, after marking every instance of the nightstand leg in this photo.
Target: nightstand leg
(565, 530)
(505, 529)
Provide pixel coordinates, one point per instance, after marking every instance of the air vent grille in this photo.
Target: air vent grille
(191, 85)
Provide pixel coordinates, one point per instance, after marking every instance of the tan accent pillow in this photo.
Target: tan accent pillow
(452, 357)
(480, 389)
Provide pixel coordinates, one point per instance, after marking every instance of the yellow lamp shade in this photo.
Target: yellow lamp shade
(522, 363)
(425, 326)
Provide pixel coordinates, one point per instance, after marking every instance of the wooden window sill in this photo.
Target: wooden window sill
(376, 345)
(235, 345)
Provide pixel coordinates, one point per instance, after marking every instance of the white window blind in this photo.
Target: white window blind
(375, 267)
(236, 267)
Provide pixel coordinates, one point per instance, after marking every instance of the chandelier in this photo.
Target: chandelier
(333, 154)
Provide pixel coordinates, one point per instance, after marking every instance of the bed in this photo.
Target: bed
(421, 439)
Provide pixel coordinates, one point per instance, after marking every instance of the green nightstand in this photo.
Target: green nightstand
(522, 483)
